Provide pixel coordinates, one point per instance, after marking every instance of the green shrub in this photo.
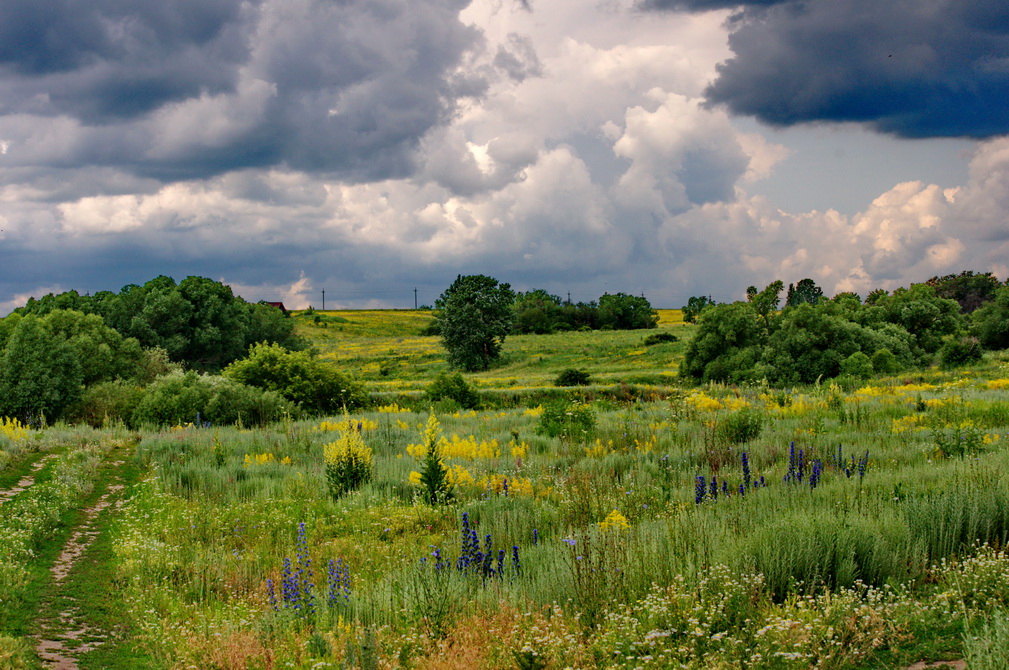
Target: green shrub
(740, 427)
(960, 351)
(175, 399)
(806, 551)
(433, 473)
(660, 338)
(885, 362)
(572, 377)
(299, 377)
(181, 398)
(232, 402)
(857, 365)
(452, 386)
(568, 419)
(106, 402)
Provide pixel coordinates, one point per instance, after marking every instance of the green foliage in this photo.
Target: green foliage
(695, 305)
(726, 346)
(40, 374)
(433, 473)
(765, 302)
(106, 403)
(921, 313)
(475, 317)
(956, 441)
(621, 311)
(198, 322)
(102, 352)
(959, 351)
(741, 343)
(660, 338)
(173, 400)
(809, 550)
(452, 386)
(299, 377)
(806, 292)
(969, 289)
(572, 377)
(884, 362)
(568, 419)
(537, 312)
(858, 365)
(181, 398)
(740, 427)
(987, 646)
(990, 323)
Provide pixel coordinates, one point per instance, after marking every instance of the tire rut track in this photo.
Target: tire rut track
(64, 638)
(27, 481)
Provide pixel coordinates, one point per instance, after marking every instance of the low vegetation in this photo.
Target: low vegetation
(495, 519)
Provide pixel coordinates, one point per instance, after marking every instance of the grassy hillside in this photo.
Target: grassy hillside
(384, 349)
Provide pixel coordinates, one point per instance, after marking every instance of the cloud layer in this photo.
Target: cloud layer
(905, 67)
(368, 148)
(183, 89)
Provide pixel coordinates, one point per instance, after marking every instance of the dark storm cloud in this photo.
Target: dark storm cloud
(190, 88)
(911, 68)
(110, 59)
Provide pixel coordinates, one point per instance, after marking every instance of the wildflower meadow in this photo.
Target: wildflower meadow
(627, 523)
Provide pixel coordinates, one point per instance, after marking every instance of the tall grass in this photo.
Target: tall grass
(789, 574)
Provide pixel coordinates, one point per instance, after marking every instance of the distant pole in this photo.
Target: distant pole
(569, 297)
(323, 300)
(415, 297)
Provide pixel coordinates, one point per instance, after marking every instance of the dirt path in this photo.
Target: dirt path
(26, 481)
(66, 632)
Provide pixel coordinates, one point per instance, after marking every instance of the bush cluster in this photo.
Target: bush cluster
(452, 386)
(752, 341)
(572, 377)
(540, 312)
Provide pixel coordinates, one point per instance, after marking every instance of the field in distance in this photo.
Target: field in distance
(385, 350)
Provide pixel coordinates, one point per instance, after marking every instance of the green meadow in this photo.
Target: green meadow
(630, 522)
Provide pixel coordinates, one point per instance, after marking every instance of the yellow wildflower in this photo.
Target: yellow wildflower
(614, 521)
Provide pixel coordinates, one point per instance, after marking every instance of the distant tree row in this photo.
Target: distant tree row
(144, 357)
(476, 313)
(199, 322)
(950, 319)
(540, 312)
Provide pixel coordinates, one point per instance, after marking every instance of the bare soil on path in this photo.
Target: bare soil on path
(71, 622)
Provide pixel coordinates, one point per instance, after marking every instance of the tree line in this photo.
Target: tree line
(151, 354)
(950, 320)
(476, 313)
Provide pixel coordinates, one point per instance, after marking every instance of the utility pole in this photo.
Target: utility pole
(323, 300)
(415, 297)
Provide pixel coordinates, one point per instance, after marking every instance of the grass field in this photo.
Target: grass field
(861, 526)
(385, 349)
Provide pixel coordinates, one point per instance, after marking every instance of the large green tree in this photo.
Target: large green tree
(39, 372)
(475, 315)
(621, 311)
(805, 292)
(990, 323)
(103, 354)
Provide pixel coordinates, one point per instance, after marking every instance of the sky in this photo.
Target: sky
(376, 149)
